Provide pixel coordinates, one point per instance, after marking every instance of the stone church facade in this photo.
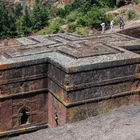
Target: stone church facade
(63, 78)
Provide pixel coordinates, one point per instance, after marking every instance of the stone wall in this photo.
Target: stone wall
(83, 111)
(23, 88)
(132, 31)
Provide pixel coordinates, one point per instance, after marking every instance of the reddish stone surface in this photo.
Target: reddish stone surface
(65, 78)
(6, 115)
(56, 109)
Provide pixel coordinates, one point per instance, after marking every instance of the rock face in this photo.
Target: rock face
(61, 2)
(23, 2)
(31, 2)
(132, 31)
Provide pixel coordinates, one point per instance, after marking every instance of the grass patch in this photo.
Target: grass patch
(132, 15)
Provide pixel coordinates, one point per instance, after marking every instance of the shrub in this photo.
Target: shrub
(81, 30)
(135, 1)
(63, 12)
(43, 33)
(61, 30)
(72, 16)
(24, 24)
(22, 28)
(117, 21)
(18, 8)
(132, 15)
(40, 16)
(105, 3)
(81, 19)
(72, 26)
(54, 26)
(95, 16)
(7, 21)
(107, 20)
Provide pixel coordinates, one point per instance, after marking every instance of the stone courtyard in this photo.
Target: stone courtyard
(47, 81)
(120, 124)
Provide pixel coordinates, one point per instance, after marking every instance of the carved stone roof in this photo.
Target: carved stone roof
(69, 52)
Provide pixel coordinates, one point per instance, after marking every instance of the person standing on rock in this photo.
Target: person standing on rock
(103, 27)
(112, 26)
(122, 24)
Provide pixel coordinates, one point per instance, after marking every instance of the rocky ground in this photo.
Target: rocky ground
(128, 25)
(123, 11)
(120, 124)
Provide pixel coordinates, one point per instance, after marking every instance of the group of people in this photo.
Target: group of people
(121, 22)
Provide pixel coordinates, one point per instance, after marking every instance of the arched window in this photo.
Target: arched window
(24, 116)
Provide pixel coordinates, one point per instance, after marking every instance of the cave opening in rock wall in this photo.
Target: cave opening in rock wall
(121, 3)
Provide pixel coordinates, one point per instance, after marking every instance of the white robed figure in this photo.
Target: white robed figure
(103, 27)
(112, 25)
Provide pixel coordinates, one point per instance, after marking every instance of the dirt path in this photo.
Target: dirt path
(128, 25)
(123, 11)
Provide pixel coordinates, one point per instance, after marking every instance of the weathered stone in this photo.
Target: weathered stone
(65, 78)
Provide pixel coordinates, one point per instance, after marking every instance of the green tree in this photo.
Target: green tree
(7, 22)
(18, 9)
(24, 24)
(54, 27)
(40, 16)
